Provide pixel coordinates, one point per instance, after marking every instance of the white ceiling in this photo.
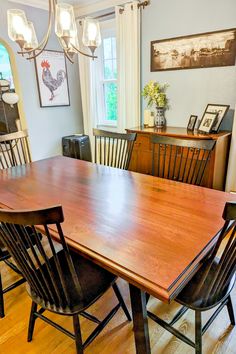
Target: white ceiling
(44, 3)
(82, 7)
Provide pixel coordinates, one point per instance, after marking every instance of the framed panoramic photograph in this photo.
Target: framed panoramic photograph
(195, 51)
(207, 122)
(51, 73)
(221, 109)
(191, 122)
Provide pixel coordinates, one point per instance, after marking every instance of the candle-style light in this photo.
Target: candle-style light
(22, 31)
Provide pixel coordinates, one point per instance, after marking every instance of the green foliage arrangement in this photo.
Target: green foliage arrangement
(156, 94)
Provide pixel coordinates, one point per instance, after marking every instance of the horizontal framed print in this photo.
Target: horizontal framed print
(191, 122)
(221, 109)
(51, 73)
(196, 51)
(207, 122)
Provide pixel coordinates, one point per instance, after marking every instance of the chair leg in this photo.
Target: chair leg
(32, 321)
(77, 332)
(121, 301)
(198, 332)
(179, 314)
(2, 314)
(147, 297)
(231, 311)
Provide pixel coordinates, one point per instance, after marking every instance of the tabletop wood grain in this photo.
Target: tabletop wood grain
(150, 231)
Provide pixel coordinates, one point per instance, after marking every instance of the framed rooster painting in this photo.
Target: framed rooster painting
(51, 73)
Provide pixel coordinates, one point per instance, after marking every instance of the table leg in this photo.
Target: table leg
(139, 311)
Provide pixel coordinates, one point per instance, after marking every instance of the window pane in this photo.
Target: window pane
(107, 48)
(108, 70)
(5, 66)
(114, 48)
(111, 101)
(114, 69)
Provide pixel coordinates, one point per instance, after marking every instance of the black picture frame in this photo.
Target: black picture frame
(171, 53)
(221, 109)
(191, 122)
(207, 121)
(56, 63)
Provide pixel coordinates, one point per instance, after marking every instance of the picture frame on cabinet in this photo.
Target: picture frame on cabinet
(221, 110)
(191, 122)
(207, 122)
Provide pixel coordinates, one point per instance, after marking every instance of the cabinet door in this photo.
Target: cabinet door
(141, 160)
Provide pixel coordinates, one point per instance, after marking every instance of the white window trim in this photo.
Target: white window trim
(107, 30)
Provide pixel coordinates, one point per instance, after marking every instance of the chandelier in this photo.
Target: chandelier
(22, 31)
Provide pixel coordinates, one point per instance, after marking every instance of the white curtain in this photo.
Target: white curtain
(128, 61)
(89, 81)
(231, 173)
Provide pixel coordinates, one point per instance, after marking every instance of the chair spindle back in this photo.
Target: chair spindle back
(14, 149)
(181, 160)
(113, 149)
(226, 261)
(47, 280)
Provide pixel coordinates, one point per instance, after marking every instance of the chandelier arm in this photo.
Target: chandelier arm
(85, 54)
(68, 57)
(44, 42)
(39, 51)
(64, 50)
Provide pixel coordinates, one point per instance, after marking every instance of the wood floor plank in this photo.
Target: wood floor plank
(117, 337)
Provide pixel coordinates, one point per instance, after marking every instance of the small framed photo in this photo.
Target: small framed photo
(191, 122)
(207, 122)
(221, 109)
(51, 73)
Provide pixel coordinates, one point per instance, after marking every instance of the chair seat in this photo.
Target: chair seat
(196, 299)
(93, 280)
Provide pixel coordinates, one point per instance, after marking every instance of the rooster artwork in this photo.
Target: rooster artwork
(49, 81)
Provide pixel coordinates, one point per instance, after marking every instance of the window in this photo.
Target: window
(110, 79)
(108, 115)
(5, 66)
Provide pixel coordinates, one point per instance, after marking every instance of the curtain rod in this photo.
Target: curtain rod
(142, 4)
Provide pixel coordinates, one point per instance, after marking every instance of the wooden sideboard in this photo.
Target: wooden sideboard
(141, 160)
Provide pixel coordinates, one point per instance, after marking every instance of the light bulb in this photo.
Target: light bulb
(18, 24)
(31, 40)
(65, 23)
(65, 20)
(91, 34)
(28, 34)
(92, 31)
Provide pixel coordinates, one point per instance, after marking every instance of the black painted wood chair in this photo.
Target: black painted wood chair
(14, 151)
(181, 160)
(58, 280)
(211, 285)
(113, 149)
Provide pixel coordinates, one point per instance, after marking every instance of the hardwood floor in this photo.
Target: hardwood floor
(117, 337)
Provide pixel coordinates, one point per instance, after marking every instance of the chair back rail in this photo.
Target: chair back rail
(226, 261)
(113, 149)
(14, 149)
(33, 255)
(181, 160)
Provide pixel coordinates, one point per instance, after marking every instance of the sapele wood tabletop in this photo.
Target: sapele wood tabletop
(152, 232)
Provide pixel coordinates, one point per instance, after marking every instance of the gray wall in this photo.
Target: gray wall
(46, 125)
(190, 90)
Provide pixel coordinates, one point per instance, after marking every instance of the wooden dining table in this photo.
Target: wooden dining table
(149, 231)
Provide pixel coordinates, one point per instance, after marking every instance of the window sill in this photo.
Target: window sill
(101, 126)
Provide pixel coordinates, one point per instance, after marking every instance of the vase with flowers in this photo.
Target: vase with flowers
(156, 95)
